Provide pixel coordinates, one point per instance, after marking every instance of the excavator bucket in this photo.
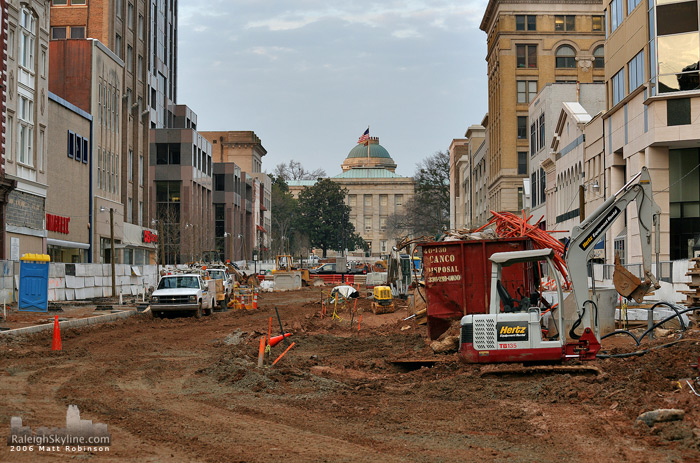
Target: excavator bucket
(627, 284)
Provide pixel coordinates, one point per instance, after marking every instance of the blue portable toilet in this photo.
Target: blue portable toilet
(34, 283)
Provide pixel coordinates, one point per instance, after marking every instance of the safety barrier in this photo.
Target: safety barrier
(337, 279)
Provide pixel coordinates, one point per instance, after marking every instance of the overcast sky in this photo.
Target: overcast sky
(309, 76)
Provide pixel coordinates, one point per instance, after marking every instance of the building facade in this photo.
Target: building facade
(121, 106)
(26, 90)
(69, 198)
(544, 115)
(182, 168)
(530, 44)
(162, 61)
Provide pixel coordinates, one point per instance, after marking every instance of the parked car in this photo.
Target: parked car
(185, 292)
(331, 269)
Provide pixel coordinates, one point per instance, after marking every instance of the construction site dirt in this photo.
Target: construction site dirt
(182, 389)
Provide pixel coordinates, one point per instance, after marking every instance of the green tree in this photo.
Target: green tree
(325, 218)
(428, 212)
(284, 208)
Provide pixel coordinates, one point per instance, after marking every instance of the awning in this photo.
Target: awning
(67, 244)
(261, 229)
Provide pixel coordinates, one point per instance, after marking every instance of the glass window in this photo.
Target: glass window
(615, 14)
(531, 22)
(678, 57)
(631, 5)
(129, 58)
(565, 23)
(565, 57)
(58, 33)
(635, 70)
(527, 89)
(141, 169)
(599, 57)
(525, 22)
(526, 56)
(677, 18)
(27, 40)
(522, 162)
(522, 127)
(618, 86)
(130, 16)
(130, 166)
(77, 32)
(140, 25)
(59, 2)
(597, 23)
(368, 200)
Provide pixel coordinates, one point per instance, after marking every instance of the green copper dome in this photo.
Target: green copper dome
(375, 151)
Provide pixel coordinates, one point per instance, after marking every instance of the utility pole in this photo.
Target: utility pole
(111, 235)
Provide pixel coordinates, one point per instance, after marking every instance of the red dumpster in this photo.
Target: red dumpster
(458, 278)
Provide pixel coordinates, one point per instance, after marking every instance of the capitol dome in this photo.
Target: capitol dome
(371, 155)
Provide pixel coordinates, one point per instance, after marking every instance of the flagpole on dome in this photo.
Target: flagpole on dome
(367, 141)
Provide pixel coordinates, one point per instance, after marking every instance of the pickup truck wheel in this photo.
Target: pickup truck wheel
(198, 312)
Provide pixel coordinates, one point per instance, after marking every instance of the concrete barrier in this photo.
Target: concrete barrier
(77, 323)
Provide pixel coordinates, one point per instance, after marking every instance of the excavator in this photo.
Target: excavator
(513, 330)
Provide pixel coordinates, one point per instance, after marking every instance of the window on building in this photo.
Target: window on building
(40, 150)
(58, 33)
(382, 223)
(139, 67)
(130, 16)
(533, 138)
(10, 42)
(678, 111)
(10, 130)
(71, 145)
(522, 127)
(86, 150)
(219, 182)
(130, 166)
(565, 23)
(141, 169)
(520, 198)
(78, 2)
(129, 210)
(398, 200)
(599, 57)
(78, 148)
(119, 6)
(541, 128)
(526, 56)
(99, 168)
(542, 185)
(25, 154)
(525, 22)
(522, 162)
(27, 40)
(368, 223)
(118, 45)
(618, 87)
(527, 89)
(566, 57)
(631, 5)
(129, 58)
(140, 217)
(597, 23)
(77, 32)
(368, 200)
(677, 29)
(615, 14)
(141, 26)
(635, 70)
(352, 200)
(383, 246)
(59, 2)
(533, 189)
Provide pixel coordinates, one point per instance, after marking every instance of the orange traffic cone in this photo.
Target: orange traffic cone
(277, 339)
(56, 345)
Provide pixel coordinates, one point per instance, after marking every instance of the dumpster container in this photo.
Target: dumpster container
(458, 278)
(34, 283)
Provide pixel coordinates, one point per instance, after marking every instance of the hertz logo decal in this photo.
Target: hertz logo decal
(511, 331)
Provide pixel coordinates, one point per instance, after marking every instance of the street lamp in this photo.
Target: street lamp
(160, 246)
(111, 257)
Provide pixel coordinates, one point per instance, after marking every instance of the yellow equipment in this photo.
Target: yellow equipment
(383, 302)
(284, 263)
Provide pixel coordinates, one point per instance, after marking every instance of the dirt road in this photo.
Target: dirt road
(180, 389)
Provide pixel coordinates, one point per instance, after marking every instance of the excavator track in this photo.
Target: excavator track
(520, 370)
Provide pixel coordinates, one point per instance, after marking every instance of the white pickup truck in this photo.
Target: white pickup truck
(226, 293)
(183, 292)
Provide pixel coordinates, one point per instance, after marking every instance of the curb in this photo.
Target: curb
(98, 320)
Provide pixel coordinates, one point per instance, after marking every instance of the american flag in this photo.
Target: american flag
(364, 137)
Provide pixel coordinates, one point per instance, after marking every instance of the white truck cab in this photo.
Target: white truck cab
(182, 292)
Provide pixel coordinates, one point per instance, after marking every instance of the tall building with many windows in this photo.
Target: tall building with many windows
(26, 91)
(162, 62)
(530, 44)
(122, 112)
(653, 103)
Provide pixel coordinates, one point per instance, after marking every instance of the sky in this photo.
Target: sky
(309, 76)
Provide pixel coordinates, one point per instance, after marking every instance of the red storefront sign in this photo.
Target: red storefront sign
(149, 237)
(56, 223)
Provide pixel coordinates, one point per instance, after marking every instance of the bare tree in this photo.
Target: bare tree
(293, 170)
